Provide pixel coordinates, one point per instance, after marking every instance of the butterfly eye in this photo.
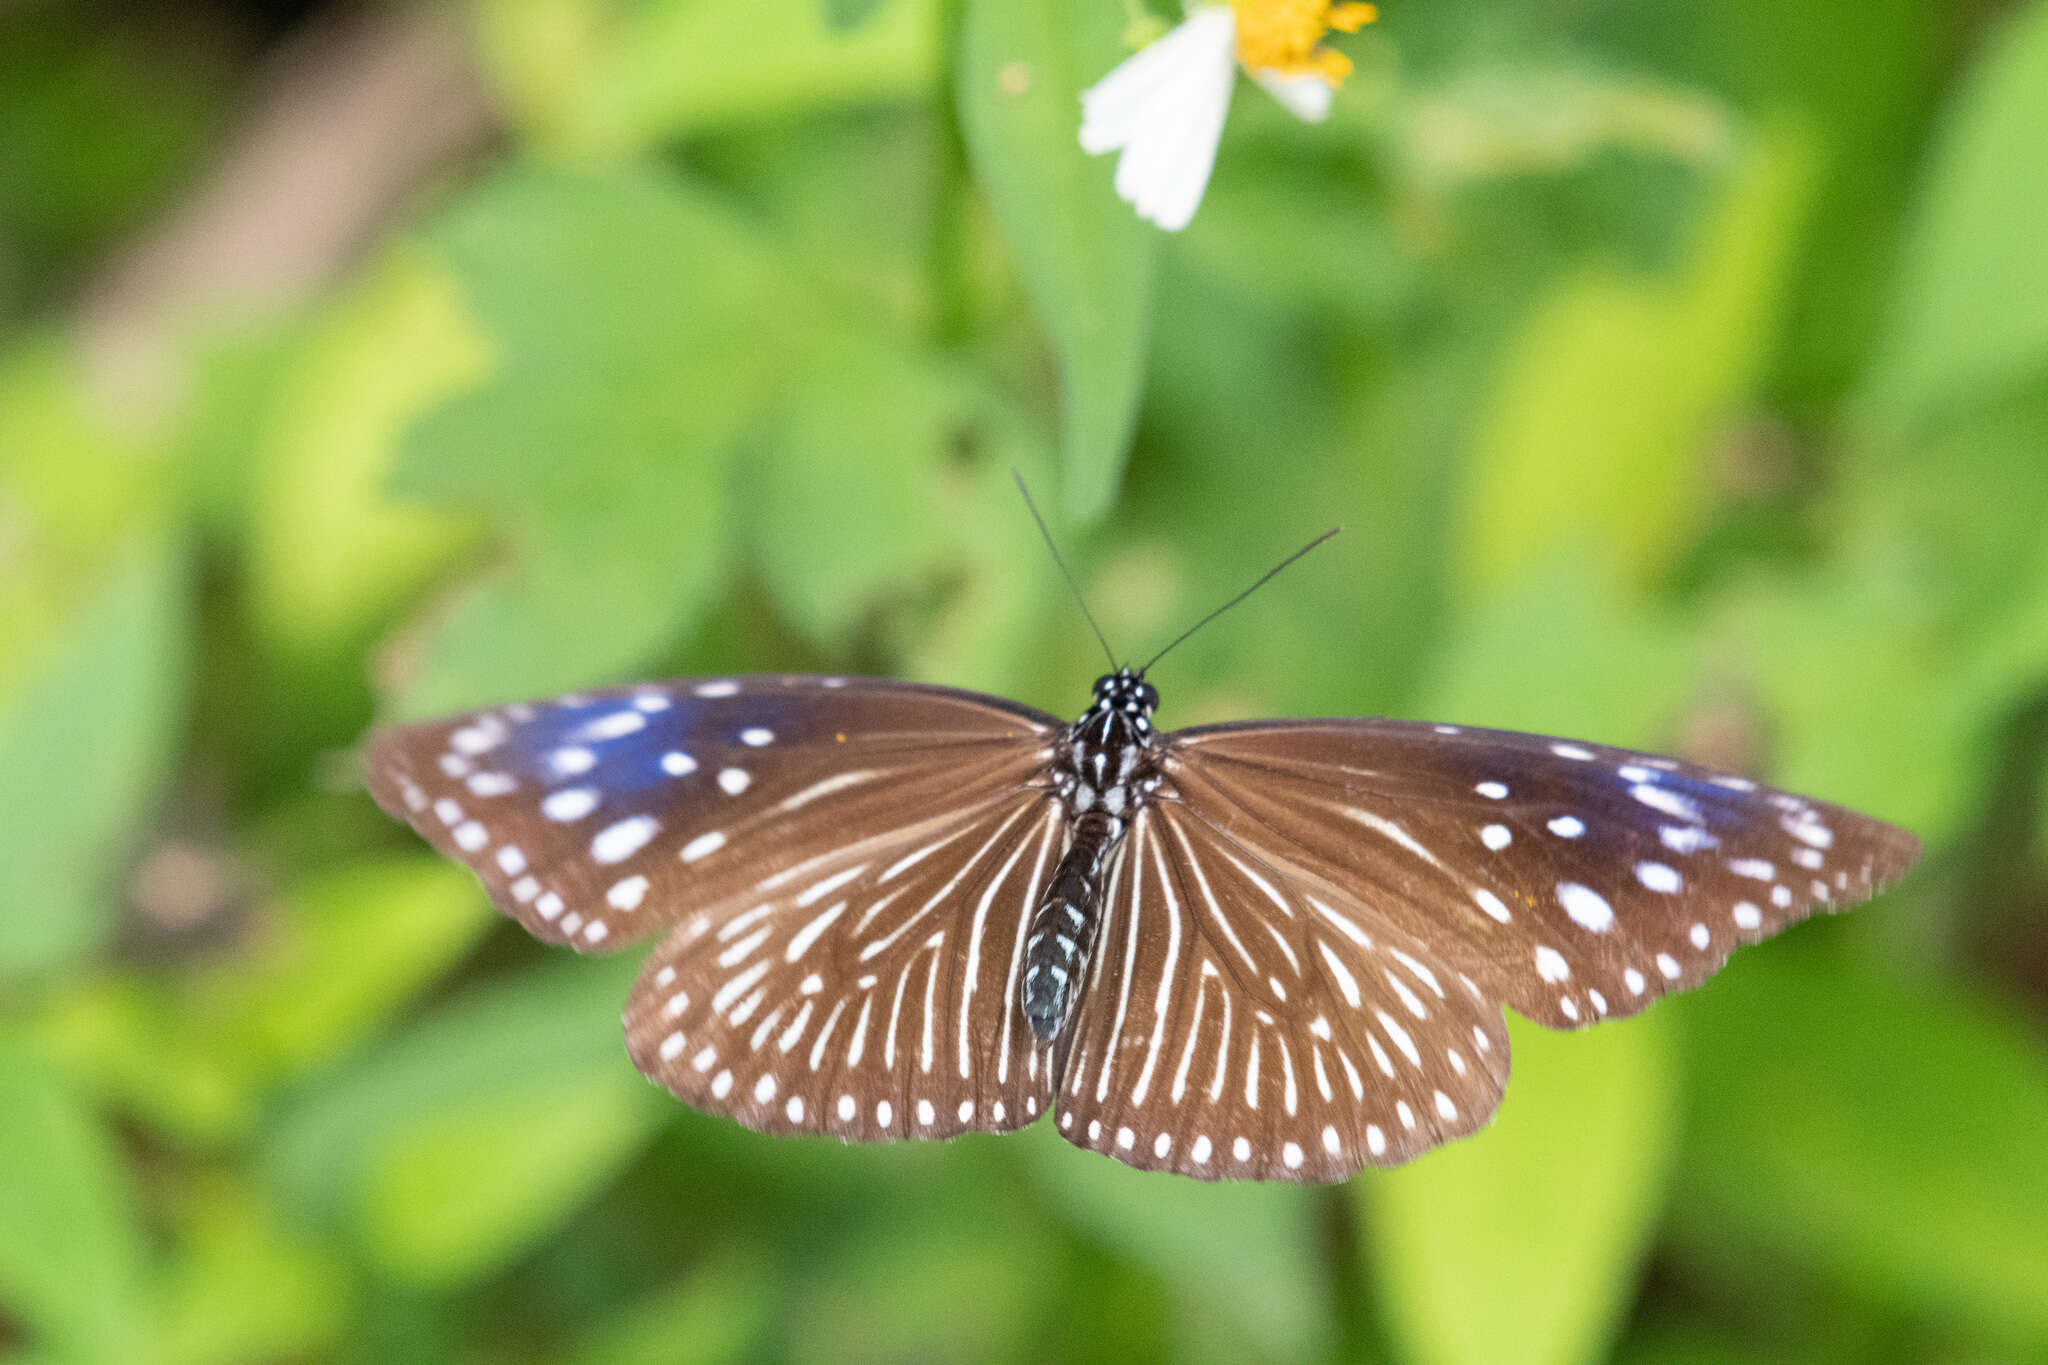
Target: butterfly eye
(1148, 697)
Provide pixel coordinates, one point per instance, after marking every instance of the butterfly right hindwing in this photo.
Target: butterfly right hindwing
(1240, 1025)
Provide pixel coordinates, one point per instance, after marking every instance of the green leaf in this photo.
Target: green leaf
(841, 15)
(1596, 437)
(1502, 119)
(449, 1196)
(70, 1244)
(636, 330)
(84, 743)
(849, 495)
(1567, 653)
(1970, 319)
(75, 489)
(1085, 257)
(1889, 1141)
(331, 554)
(463, 1141)
(195, 1052)
(1522, 1245)
(672, 68)
(721, 1311)
(352, 944)
(863, 491)
(242, 1286)
(1239, 1257)
(895, 1292)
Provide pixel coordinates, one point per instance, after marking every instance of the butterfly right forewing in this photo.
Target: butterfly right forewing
(1571, 881)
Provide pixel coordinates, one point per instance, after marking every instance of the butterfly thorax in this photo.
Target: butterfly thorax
(1107, 770)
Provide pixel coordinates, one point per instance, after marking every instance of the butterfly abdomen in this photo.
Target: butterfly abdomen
(1063, 927)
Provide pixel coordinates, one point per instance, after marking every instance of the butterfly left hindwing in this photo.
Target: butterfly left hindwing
(866, 994)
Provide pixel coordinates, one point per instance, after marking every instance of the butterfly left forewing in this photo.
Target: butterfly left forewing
(597, 819)
(869, 994)
(1240, 1023)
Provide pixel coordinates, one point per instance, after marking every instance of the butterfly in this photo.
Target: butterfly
(1272, 950)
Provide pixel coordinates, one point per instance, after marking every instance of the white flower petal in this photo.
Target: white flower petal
(1112, 107)
(1165, 108)
(1305, 96)
(1201, 134)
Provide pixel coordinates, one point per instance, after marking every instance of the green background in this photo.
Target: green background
(1679, 372)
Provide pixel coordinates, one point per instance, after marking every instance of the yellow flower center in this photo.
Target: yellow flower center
(1282, 35)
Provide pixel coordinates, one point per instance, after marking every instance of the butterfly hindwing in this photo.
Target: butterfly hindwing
(1238, 1024)
(865, 994)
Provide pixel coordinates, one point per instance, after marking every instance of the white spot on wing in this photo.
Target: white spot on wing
(615, 843)
(1668, 802)
(1659, 877)
(1587, 907)
(703, 845)
(1686, 838)
(617, 725)
(569, 804)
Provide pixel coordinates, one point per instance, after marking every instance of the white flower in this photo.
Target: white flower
(1163, 107)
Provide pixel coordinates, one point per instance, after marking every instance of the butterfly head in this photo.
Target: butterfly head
(1129, 696)
(1123, 701)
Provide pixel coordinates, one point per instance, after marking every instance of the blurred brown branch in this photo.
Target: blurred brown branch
(351, 118)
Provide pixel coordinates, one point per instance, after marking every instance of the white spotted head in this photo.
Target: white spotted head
(1124, 701)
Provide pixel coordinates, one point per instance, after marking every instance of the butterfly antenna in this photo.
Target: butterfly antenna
(1266, 578)
(1065, 572)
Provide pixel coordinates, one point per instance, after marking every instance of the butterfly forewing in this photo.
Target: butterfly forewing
(1571, 881)
(1239, 1024)
(867, 995)
(598, 819)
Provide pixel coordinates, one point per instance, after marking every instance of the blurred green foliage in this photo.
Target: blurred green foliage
(1680, 372)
